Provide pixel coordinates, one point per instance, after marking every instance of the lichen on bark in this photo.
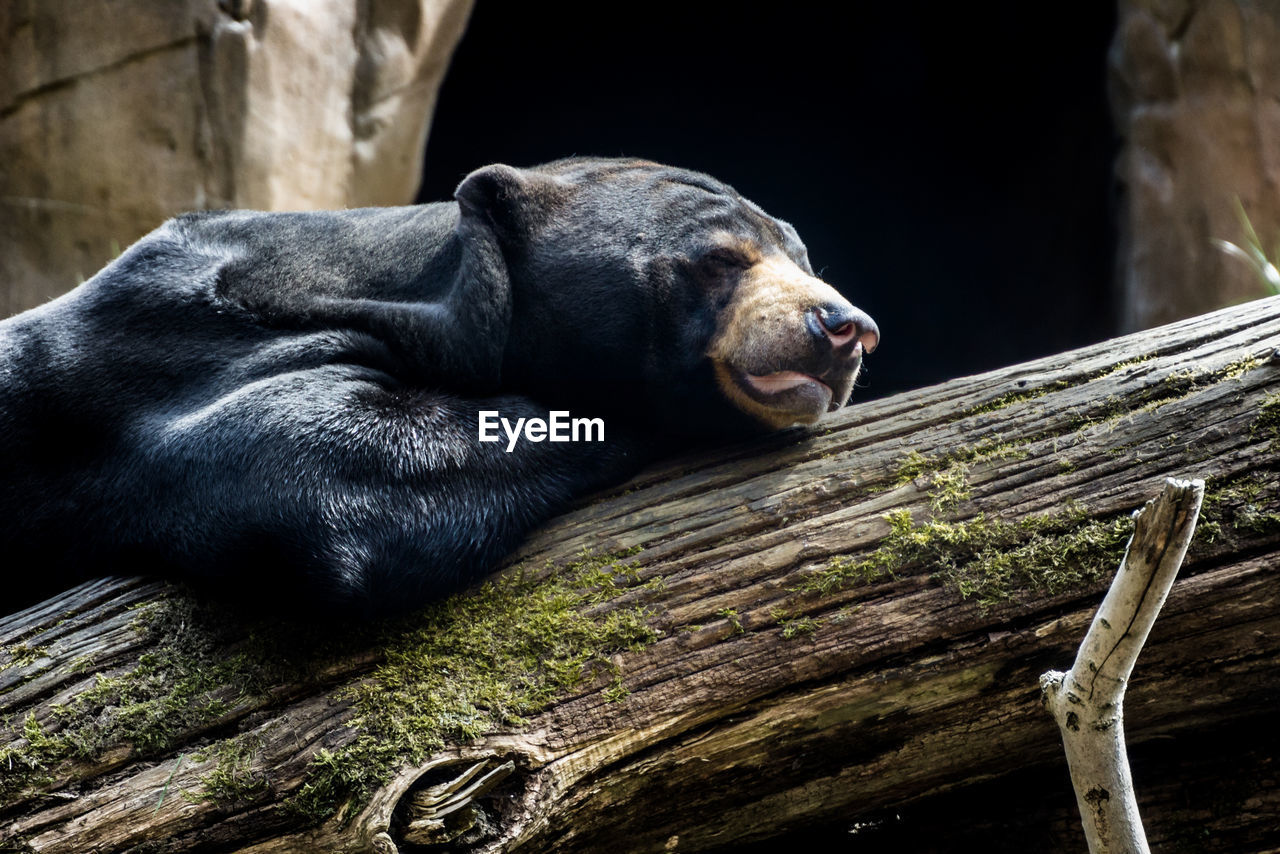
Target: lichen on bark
(479, 660)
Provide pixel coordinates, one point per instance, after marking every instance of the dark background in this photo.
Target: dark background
(948, 165)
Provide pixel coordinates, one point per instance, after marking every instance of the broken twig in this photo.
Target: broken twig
(1088, 702)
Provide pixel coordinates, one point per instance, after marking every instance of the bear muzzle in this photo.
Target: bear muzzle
(789, 347)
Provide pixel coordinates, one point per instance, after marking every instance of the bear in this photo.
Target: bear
(291, 408)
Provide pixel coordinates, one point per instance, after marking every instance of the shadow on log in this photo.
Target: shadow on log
(834, 631)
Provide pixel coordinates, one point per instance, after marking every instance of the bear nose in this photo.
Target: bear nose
(842, 324)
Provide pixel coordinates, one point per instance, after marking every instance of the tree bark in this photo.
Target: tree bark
(831, 628)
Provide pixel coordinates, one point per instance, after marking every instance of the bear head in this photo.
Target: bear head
(663, 292)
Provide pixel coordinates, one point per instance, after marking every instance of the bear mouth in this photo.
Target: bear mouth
(792, 387)
(780, 398)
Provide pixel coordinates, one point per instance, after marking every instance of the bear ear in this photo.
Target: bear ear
(510, 199)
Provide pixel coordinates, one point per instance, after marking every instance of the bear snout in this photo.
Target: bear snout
(788, 346)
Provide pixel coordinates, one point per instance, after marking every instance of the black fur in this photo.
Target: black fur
(283, 405)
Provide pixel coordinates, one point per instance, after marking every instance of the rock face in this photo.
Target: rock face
(1195, 86)
(111, 122)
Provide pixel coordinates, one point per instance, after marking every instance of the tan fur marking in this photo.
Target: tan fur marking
(748, 249)
(770, 300)
(763, 330)
(775, 418)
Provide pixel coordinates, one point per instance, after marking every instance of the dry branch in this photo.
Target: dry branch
(837, 626)
(1088, 702)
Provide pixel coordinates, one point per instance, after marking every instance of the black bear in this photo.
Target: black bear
(317, 407)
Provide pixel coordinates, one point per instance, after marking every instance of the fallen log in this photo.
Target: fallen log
(838, 628)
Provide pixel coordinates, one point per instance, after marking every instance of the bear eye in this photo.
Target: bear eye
(725, 258)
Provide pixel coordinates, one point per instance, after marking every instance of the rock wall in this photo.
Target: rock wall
(113, 121)
(1195, 86)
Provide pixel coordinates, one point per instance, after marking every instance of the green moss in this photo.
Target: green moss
(1207, 531)
(1016, 397)
(1175, 387)
(201, 661)
(28, 756)
(1127, 363)
(795, 627)
(22, 654)
(461, 668)
(912, 465)
(949, 487)
(170, 692)
(475, 663)
(989, 559)
(1183, 383)
(844, 614)
(1240, 367)
(233, 780)
(1248, 505)
(992, 559)
(1012, 398)
(1267, 423)
(731, 614)
(949, 473)
(616, 692)
(1258, 524)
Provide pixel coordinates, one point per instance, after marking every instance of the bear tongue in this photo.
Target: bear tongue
(779, 382)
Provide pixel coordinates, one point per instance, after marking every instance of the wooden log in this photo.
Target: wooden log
(823, 629)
